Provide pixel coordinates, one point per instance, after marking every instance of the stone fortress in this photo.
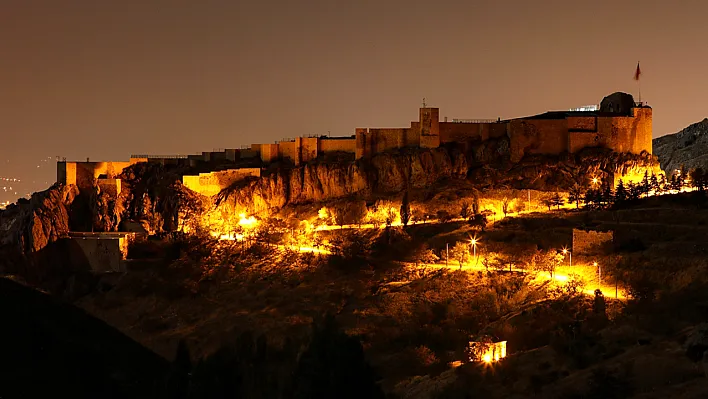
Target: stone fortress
(618, 124)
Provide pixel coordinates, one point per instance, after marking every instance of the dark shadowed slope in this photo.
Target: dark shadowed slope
(52, 349)
(689, 148)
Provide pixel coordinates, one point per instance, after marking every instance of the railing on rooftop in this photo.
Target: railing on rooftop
(474, 120)
(159, 156)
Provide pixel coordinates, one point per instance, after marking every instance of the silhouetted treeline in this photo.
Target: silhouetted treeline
(332, 365)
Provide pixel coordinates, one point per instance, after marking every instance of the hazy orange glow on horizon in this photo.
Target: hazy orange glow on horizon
(106, 79)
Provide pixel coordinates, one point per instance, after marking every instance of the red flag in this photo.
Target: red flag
(637, 73)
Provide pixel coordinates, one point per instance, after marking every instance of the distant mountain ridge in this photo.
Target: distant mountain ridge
(689, 148)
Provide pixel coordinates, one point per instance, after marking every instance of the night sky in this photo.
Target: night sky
(104, 79)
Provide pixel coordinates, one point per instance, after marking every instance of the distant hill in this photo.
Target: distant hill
(689, 147)
(52, 349)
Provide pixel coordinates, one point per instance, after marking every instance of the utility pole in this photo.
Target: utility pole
(529, 192)
(447, 253)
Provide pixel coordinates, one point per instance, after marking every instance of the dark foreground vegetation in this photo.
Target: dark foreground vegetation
(254, 321)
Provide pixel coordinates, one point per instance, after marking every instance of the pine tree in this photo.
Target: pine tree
(645, 185)
(663, 183)
(620, 194)
(405, 209)
(654, 184)
(673, 182)
(634, 191)
(682, 176)
(607, 195)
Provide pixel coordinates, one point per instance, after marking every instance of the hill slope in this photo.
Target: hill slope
(689, 147)
(49, 348)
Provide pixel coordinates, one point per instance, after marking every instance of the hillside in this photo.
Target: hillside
(52, 349)
(689, 148)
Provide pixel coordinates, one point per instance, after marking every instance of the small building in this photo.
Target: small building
(486, 352)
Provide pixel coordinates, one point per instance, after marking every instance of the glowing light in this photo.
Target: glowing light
(565, 251)
(487, 358)
(594, 180)
(594, 264)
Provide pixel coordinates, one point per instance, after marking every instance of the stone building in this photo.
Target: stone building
(618, 124)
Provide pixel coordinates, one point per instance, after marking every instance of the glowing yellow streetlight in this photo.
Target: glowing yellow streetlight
(570, 256)
(473, 241)
(595, 180)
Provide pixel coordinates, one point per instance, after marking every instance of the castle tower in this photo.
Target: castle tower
(429, 127)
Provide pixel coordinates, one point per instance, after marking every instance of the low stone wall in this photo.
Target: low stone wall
(104, 252)
(212, 183)
(588, 243)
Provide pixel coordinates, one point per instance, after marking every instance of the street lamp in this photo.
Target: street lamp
(570, 256)
(599, 274)
(595, 180)
(473, 241)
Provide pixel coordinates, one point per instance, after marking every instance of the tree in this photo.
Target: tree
(645, 185)
(443, 216)
(557, 200)
(505, 205)
(460, 252)
(390, 216)
(663, 184)
(575, 195)
(698, 179)
(465, 210)
(633, 191)
(548, 202)
(548, 261)
(405, 209)
(654, 184)
(620, 194)
(607, 194)
(682, 176)
(334, 366)
(356, 212)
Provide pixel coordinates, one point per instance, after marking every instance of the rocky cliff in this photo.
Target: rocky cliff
(26, 228)
(321, 181)
(689, 148)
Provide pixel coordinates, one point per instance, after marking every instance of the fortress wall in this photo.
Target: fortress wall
(580, 140)
(289, 150)
(460, 132)
(83, 173)
(111, 187)
(269, 152)
(309, 148)
(387, 138)
(628, 133)
(333, 145)
(212, 183)
(412, 135)
(494, 130)
(537, 136)
(582, 123)
(66, 173)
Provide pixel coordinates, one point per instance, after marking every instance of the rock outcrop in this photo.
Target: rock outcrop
(320, 181)
(31, 225)
(688, 148)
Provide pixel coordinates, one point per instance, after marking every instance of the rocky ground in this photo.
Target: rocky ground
(688, 148)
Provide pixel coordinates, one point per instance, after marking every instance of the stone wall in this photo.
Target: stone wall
(212, 183)
(83, 174)
(537, 136)
(589, 243)
(102, 252)
(337, 144)
(111, 187)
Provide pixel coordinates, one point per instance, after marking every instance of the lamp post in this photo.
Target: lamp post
(570, 256)
(599, 274)
(473, 241)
